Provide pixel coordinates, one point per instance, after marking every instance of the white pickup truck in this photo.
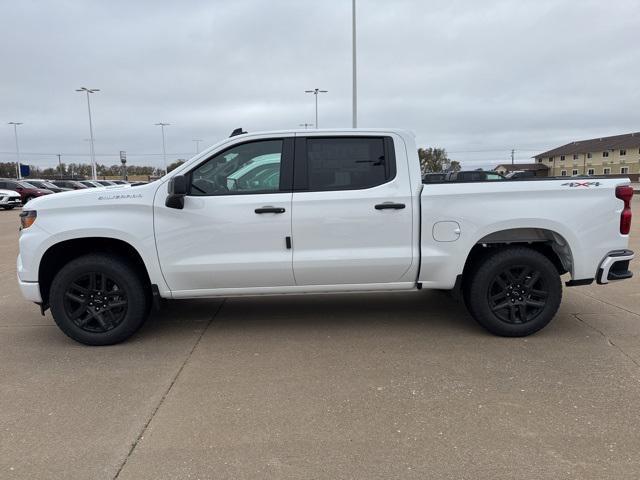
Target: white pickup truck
(306, 211)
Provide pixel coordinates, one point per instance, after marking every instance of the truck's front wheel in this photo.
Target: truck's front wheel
(98, 300)
(514, 292)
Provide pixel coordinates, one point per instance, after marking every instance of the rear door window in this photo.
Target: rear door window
(344, 163)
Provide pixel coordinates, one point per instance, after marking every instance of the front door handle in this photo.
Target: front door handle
(390, 205)
(269, 210)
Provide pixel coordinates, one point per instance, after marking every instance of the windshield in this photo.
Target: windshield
(26, 185)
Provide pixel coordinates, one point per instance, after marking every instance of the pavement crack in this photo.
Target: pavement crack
(608, 303)
(168, 390)
(607, 339)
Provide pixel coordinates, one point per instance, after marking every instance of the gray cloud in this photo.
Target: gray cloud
(477, 78)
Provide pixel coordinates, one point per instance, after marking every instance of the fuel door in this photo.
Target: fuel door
(446, 231)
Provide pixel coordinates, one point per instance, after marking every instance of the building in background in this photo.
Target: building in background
(538, 169)
(617, 155)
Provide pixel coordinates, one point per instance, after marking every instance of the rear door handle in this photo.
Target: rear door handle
(269, 210)
(390, 205)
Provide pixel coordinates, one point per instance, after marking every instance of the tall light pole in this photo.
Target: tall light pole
(15, 133)
(355, 81)
(164, 149)
(197, 140)
(315, 92)
(94, 171)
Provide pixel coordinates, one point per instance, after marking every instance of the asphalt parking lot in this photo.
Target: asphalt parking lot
(365, 386)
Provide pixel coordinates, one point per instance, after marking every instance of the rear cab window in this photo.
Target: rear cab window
(343, 163)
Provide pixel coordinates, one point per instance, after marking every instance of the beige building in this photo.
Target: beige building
(617, 155)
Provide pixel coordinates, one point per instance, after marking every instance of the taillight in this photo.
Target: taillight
(625, 193)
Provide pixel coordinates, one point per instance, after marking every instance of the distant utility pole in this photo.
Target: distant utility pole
(315, 92)
(355, 79)
(197, 141)
(164, 149)
(94, 171)
(306, 125)
(512, 153)
(60, 165)
(15, 133)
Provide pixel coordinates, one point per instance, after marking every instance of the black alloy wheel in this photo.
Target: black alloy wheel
(95, 302)
(100, 299)
(513, 291)
(517, 294)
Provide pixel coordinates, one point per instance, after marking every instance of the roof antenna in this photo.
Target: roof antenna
(237, 131)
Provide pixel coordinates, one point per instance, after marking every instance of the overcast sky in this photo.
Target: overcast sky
(475, 77)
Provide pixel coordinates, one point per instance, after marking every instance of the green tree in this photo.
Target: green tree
(8, 169)
(175, 165)
(436, 160)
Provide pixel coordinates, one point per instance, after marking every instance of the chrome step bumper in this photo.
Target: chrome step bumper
(615, 266)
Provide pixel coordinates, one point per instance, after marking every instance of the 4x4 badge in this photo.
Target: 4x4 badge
(581, 184)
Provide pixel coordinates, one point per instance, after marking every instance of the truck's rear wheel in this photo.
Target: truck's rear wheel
(98, 300)
(514, 292)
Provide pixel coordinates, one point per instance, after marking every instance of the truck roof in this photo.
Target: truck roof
(399, 131)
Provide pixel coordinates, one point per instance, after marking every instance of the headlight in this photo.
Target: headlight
(27, 217)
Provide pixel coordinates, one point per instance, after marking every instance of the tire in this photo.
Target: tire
(98, 300)
(9, 208)
(514, 292)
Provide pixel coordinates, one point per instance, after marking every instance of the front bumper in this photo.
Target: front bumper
(615, 266)
(10, 201)
(30, 291)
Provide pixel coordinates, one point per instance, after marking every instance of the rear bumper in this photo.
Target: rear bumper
(615, 266)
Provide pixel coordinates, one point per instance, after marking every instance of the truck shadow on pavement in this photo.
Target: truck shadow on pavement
(428, 310)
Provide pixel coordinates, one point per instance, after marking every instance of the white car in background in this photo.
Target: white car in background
(9, 199)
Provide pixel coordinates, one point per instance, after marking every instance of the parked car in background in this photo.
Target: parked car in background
(9, 199)
(25, 189)
(46, 184)
(520, 174)
(90, 184)
(120, 182)
(474, 176)
(105, 183)
(462, 176)
(69, 184)
(434, 177)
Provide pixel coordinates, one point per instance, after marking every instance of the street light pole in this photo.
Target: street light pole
(355, 81)
(94, 171)
(15, 133)
(316, 91)
(197, 140)
(60, 164)
(164, 149)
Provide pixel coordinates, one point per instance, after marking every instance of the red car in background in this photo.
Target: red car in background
(25, 189)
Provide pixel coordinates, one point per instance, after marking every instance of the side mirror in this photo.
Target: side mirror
(177, 191)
